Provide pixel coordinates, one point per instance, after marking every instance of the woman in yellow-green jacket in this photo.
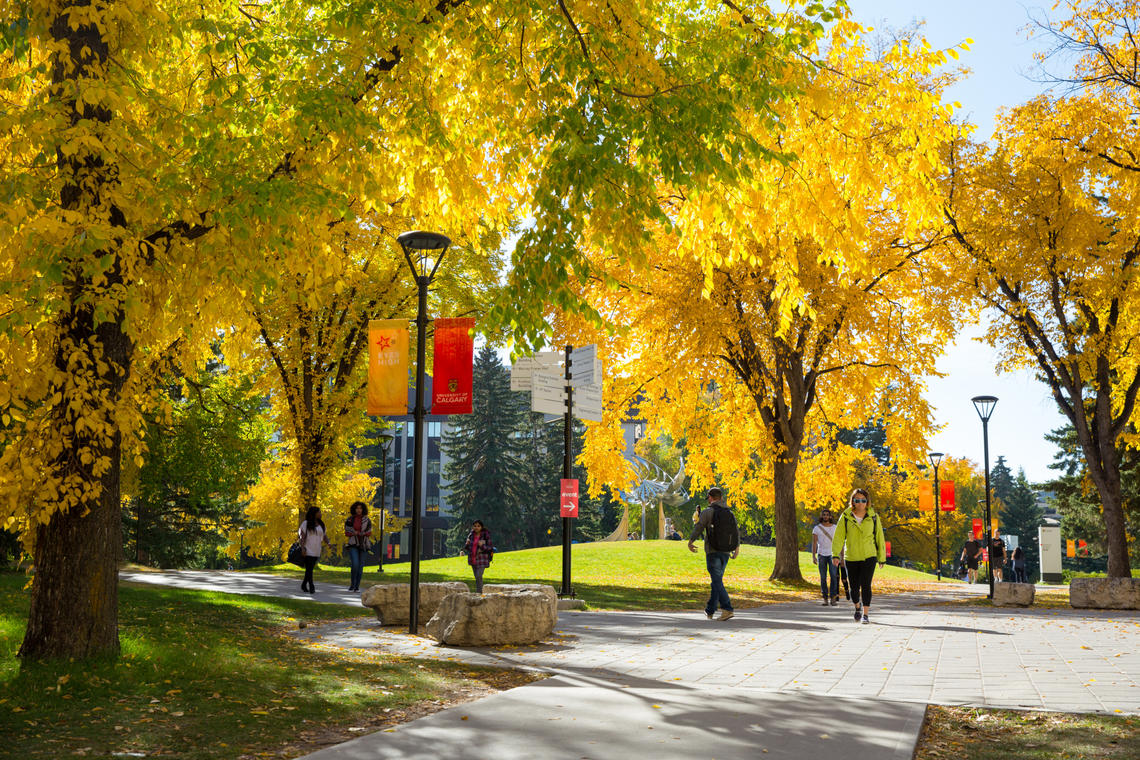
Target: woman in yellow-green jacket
(859, 542)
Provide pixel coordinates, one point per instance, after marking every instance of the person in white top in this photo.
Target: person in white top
(821, 537)
(312, 536)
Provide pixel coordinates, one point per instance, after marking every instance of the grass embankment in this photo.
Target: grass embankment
(627, 575)
(965, 733)
(206, 675)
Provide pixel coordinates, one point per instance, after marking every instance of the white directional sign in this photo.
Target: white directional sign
(525, 366)
(588, 403)
(585, 367)
(548, 392)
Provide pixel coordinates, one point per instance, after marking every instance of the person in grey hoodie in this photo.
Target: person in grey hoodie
(722, 542)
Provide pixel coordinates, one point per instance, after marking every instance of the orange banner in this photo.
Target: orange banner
(452, 385)
(1070, 548)
(993, 527)
(925, 496)
(388, 367)
(946, 495)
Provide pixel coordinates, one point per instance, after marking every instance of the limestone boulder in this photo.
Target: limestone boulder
(480, 620)
(1105, 593)
(506, 588)
(1014, 594)
(392, 600)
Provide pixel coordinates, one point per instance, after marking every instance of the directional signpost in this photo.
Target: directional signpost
(572, 390)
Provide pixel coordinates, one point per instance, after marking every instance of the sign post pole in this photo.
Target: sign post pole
(567, 473)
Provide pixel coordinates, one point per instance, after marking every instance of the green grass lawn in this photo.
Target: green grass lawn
(966, 733)
(628, 575)
(206, 675)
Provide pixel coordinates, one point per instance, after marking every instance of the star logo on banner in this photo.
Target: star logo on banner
(384, 342)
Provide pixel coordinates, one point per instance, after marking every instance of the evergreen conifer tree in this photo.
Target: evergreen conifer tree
(485, 468)
(1001, 480)
(1021, 516)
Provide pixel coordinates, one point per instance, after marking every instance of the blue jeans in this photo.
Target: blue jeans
(716, 562)
(356, 565)
(825, 568)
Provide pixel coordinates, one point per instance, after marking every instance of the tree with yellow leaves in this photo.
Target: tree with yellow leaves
(784, 302)
(154, 152)
(308, 331)
(1046, 226)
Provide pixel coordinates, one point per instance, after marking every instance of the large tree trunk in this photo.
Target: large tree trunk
(1099, 447)
(74, 599)
(786, 526)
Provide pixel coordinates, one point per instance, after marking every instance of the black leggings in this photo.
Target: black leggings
(861, 573)
(307, 583)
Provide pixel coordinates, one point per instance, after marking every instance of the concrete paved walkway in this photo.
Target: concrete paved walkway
(793, 679)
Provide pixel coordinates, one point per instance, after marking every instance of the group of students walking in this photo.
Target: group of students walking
(358, 531)
(850, 547)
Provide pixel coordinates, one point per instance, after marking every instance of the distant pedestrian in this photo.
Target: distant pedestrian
(822, 536)
(860, 544)
(722, 542)
(1019, 566)
(997, 557)
(358, 529)
(480, 551)
(312, 537)
(971, 553)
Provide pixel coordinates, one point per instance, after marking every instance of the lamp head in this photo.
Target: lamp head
(985, 406)
(386, 441)
(424, 251)
(935, 458)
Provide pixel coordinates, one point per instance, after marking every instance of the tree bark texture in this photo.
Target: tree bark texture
(74, 598)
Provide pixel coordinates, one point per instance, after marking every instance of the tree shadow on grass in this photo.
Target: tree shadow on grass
(199, 671)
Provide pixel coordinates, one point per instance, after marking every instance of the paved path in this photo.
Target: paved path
(782, 677)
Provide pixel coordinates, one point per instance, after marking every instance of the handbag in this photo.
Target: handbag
(296, 555)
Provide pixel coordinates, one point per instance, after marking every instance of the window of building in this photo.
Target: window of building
(434, 429)
(437, 537)
(433, 467)
(432, 505)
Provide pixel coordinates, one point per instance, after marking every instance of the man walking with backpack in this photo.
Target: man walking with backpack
(722, 542)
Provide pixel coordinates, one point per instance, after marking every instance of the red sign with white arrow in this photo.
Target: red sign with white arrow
(569, 498)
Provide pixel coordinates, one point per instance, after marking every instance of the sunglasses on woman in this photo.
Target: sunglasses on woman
(858, 501)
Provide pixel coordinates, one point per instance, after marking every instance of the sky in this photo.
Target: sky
(1002, 67)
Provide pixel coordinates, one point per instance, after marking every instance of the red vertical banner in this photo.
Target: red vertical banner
(1083, 547)
(925, 496)
(452, 388)
(979, 527)
(388, 367)
(946, 495)
(888, 548)
(568, 499)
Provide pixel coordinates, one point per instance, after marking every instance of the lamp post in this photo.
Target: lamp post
(985, 406)
(385, 445)
(423, 251)
(935, 460)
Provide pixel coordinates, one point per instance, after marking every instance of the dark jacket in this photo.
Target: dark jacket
(483, 553)
(704, 526)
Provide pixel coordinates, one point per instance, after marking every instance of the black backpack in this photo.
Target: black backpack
(721, 534)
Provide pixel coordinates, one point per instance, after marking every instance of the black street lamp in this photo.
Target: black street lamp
(985, 406)
(385, 445)
(423, 251)
(935, 460)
